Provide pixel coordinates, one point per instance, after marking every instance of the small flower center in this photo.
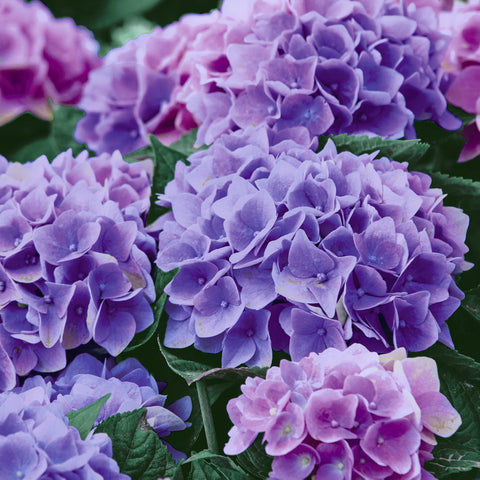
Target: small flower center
(273, 411)
(321, 277)
(16, 243)
(380, 440)
(72, 247)
(287, 430)
(334, 424)
(201, 280)
(373, 406)
(360, 292)
(79, 310)
(321, 331)
(48, 299)
(305, 460)
(224, 304)
(249, 332)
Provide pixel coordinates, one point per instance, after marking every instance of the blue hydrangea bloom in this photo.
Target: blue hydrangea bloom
(75, 258)
(281, 247)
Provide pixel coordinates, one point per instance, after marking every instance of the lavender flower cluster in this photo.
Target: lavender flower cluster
(360, 67)
(363, 67)
(36, 442)
(75, 258)
(86, 379)
(345, 414)
(138, 89)
(41, 58)
(282, 247)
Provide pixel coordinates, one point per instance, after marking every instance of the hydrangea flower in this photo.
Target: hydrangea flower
(138, 89)
(359, 67)
(37, 442)
(75, 257)
(41, 58)
(282, 247)
(463, 59)
(345, 414)
(86, 379)
(363, 67)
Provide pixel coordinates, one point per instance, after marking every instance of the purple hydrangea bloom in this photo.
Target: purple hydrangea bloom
(87, 379)
(41, 58)
(37, 442)
(139, 89)
(344, 414)
(325, 248)
(75, 257)
(359, 67)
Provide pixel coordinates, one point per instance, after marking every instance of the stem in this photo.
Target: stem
(207, 417)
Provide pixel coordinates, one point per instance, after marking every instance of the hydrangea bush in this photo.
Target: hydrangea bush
(345, 414)
(75, 257)
(280, 246)
(295, 262)
(37, 63)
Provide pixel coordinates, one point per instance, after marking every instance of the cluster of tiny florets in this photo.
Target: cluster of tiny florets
(344, 415)
(280, 246)
(75, 258)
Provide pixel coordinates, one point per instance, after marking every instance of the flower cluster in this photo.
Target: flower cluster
(86, 379)
(137, 90)
(280, 246)
(345, 414)
(360, 67)
(37, 442)
(41, 58)
(75, 258)
(463, 59)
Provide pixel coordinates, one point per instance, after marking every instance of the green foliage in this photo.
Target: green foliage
(84, 418)
(192, 370)
(460, 383)
(137, 449)
(208, 466)
(399, 150)
(164, 159)
(255, 461)
(27, 137)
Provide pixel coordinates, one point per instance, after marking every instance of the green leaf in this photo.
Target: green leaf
(460, 383)
(186, 143)
(255, 461)
(192, 371)
(164, 159)
(137, 449)
(26, 138)
(399, 150)
(161, 281)
(209, 466)
(84, 418)
(471, 303)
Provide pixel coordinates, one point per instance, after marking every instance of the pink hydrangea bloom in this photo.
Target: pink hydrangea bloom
(41, 58)
(345, 414)
(139, 90)
(463, 60)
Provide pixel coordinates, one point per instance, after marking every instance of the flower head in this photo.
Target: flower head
(324, 248)
(75, 257)
(344, 413)
(41, 58)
